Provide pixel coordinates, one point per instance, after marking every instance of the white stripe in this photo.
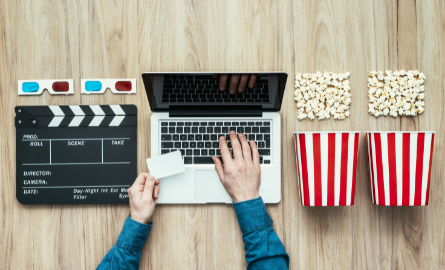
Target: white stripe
(97, 110)
(117, 109)
(375, 169)
(296, 164)
(310, 166)
(299, 168)
(384, 141)
(337, 168)
(76, 121)
(117, 120)
(56, 110)
(76, 110)
(399, 166)
(324, 167)
(412, 165)
(96, 121)
(426, 166)
(369, 165)
(350, 168)
(56, 121)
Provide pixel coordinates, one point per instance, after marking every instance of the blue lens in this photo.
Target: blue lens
(93, 86)
(29, 87)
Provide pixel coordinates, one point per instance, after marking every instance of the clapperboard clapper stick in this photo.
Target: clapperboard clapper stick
(75, 154)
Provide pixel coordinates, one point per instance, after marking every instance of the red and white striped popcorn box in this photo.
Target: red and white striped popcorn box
(400, 167)
(326, 167)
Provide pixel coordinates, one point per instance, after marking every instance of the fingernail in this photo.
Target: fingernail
(232, 91)
(221, 88)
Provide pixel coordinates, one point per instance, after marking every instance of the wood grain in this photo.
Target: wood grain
(112, 39)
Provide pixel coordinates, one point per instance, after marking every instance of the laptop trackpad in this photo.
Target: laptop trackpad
(208, 187)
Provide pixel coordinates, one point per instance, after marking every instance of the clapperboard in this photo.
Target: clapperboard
(75, 154)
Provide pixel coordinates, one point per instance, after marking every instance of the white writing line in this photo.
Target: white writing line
(50, 152)
(75, 139)
(79, 186)
(75, 163)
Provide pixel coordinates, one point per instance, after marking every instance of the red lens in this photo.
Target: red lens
(61, 86)
(123, 86)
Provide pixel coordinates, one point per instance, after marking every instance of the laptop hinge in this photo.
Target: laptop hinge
(214, 111)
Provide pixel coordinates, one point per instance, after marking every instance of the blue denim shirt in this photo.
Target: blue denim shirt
(263, 247)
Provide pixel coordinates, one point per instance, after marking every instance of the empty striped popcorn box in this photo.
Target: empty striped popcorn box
(400, 167)
(326, 167)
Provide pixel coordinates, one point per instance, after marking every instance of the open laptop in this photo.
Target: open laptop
(191, 113)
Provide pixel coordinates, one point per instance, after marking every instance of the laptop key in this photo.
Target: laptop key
(251, 137)
(188, 160)
(195, 124)
(267, 124)
(260, 144)
(265, 129)
(259, 137)
(180, 124)
(177, 144)
(191, 137)
(185, 144)
(266, 161)
(189, 152)
(227, 123)
(194, 130)
(267, 143)
(172, 124)
(179, 129)
(205, 137)
(187, 130)
(166, 137)
(164, 130)
(164, 124)
(211, 123)
(214, 137)
(218, 152)
(204, 152)
(171, 130)
(165, 151)
(235, 123)
(219, 123)
(203, 123)
(264, 152)
(240, 129)
(208, 144)
(192, 144)
(209, 130)
(203, 160)
(217, 129)
(198, 137)
(182, 152)
(188, 124)
(251, 123)
(225, 130)
(211, 152)
(202, 130)
(200, 144)
(176, 137)
(215, 144)
(255, 130)
(183, 137)
(166, 144)
(232, 128)
(196, 152)
(247, 130)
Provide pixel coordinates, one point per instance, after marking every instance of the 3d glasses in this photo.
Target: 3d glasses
(99, 86)
(54, 87)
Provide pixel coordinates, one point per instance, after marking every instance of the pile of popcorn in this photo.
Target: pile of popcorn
(396, 93)
(322, 95)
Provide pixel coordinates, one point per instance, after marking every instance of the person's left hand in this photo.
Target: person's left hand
(143, 195)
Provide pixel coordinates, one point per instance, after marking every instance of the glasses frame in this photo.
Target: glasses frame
(108, 83)
(48, 85)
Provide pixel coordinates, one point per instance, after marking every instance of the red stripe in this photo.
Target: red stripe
(429, 173)
(379, 165)
(331, 170)
(344, 168)
(392, 169)
(318, 193)
(307, 201)
(371, 168)
(354, 167)
(405, 173)
(419, 168)
(298, 164)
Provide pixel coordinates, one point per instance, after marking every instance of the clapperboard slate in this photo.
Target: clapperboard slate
(75, 154)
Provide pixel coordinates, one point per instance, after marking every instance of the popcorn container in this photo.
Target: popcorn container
(400, 167)
(326, 167)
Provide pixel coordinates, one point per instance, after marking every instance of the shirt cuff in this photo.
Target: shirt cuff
(134, 235)
(252, 215)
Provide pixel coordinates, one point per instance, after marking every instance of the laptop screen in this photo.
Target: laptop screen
(260, 91)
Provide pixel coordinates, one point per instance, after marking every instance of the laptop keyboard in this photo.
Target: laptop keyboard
(199, 141)
(205, 88)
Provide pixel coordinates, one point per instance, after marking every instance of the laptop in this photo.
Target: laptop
(190, 113)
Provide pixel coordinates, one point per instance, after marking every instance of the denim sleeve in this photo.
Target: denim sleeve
(264, 249)
(126, 253)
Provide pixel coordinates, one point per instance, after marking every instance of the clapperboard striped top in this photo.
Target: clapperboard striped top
(78, 116)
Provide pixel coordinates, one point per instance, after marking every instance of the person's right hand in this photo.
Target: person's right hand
(240, 175)
(143, 195)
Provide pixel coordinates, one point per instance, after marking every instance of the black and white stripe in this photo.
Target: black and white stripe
(84, 115)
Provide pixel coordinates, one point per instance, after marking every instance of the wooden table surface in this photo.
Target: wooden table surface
(122, 39)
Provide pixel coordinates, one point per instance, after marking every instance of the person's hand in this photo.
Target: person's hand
(143, 195)
(240, 175)
(238, 82)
